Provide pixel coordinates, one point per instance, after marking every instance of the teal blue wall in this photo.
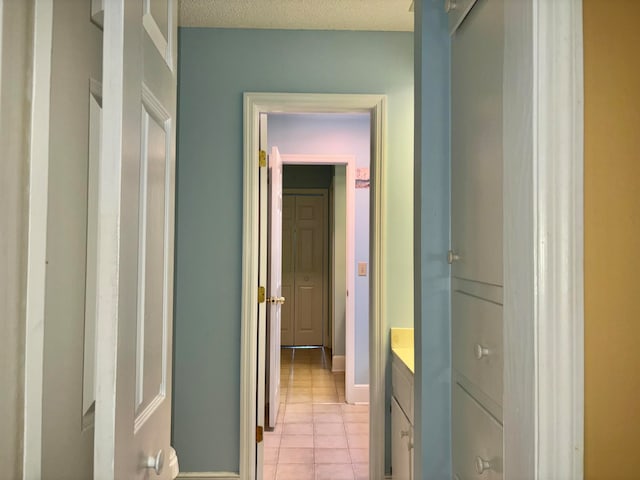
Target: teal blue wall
(432, 380)
(215, 67)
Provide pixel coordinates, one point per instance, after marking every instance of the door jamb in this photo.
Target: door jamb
(254, 104)
(353, 393)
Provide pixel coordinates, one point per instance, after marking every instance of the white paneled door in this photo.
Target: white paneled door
(276, 300)
(135, 242)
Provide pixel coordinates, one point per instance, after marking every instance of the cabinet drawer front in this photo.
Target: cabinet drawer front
(402, 384)
(477, 440)
(477, 342)
(401, 443)
(456, 11)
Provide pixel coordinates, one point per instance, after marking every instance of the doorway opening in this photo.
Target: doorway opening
(253, 454)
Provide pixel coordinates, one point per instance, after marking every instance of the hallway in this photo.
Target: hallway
(317, 436)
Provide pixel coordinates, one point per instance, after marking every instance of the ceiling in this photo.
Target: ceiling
(380, 15)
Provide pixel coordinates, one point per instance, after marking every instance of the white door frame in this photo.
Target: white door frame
(354, 393)
(543, 240)
(254, 104)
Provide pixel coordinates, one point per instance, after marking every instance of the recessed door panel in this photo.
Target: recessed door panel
(150, 361)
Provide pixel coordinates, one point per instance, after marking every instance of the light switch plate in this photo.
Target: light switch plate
(362, 269)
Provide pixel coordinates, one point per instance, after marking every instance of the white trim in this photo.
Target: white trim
(360, 394)
(209, 476)
(37, 239)
(558, 174)
(254, 103)
(543, 239)
(349, 366)
(338, 363)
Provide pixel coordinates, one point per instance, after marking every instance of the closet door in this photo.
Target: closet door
(476, 146)
(310, 269)
(304, 268)
(476, 242)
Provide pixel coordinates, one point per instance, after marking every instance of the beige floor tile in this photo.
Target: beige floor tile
(328, 429)
(298, 417)
(299, 398)
(269, 472)
(272, 439)
(330, 441)
(271, 455)
(348, 408)
(327, 418)
(300, 408)
(277, 430)
(299, 428)
(357, 428)
(356, 417)
(359, 455)
(361, 470)
(295, 455)
(301, 390)
(323, 390)
(327, 408)
(334, 472)
(297, 441)
(358, 441)
(325, 398)
(332, 455)
(295, 472)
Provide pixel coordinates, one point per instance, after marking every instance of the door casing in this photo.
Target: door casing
(254, 104)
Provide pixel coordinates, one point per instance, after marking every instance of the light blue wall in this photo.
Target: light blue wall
(215, 67)
(343, 134)
(432, 226)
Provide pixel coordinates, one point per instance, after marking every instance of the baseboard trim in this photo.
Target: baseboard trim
(208, 476)
(360, 393)
(338, 363)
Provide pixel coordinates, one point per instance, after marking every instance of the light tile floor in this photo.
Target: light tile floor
(317, 436)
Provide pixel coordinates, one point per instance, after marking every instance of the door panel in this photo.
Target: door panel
(136, 244)
(310, 269)
(288, 206)
(68, 396)
(476, 145)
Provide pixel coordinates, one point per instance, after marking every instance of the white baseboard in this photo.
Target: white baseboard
(337, 363)
(360, 393)
(208, 476)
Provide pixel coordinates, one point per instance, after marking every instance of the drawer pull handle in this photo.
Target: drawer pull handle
(480, 351)
(404, 433)
(482, 465)
(450, 6)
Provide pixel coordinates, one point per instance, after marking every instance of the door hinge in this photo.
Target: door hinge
(263, 158)
(261, 294)
(259, 434)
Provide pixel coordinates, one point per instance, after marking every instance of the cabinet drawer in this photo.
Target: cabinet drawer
(477, 440)
(456, 11)
(401, 443)
(477, 342)
(402, 384)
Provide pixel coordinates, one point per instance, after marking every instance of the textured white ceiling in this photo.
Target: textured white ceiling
(384, 15)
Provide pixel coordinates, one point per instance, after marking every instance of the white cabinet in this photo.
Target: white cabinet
(402, 404)
(401, 443)
(476, 238)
